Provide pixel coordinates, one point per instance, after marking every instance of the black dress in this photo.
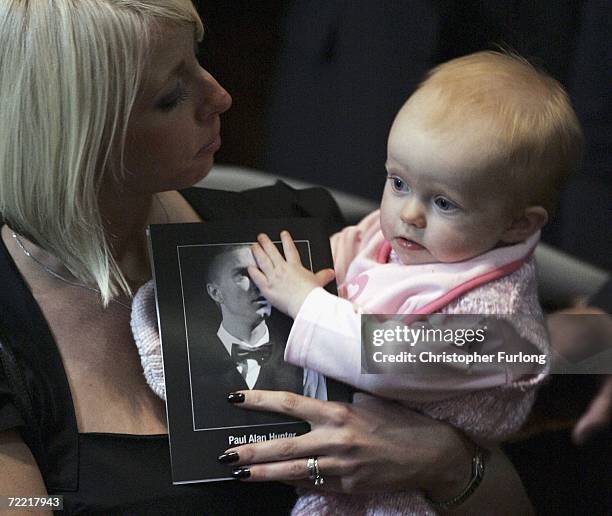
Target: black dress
(117, 473)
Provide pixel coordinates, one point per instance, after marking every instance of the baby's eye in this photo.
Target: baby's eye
(445, 205)
(398, 184)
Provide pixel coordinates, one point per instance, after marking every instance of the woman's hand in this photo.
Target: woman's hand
(284, 282)
(370, 445)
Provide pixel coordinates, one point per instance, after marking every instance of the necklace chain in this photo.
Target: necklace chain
(51, 272)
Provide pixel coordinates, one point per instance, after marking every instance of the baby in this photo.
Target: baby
(476, 157)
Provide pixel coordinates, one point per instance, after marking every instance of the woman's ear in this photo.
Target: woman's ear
(525, 224)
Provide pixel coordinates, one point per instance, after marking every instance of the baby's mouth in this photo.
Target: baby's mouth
(409, 245)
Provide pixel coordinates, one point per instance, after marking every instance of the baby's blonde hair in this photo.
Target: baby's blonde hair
(536, 136)
(70, 71)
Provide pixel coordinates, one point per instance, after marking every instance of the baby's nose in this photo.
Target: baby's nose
(413, 213)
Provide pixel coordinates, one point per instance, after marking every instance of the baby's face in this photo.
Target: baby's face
(441, 202)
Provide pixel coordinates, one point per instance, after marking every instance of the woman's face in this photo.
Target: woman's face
(173, 132)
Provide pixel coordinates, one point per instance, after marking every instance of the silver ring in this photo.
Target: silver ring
(312, 466)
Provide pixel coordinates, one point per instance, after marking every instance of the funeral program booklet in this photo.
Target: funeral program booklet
(219, 335)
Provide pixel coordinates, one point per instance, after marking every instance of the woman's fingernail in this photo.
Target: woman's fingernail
(235, 397)
(241, 473)
(228, 458)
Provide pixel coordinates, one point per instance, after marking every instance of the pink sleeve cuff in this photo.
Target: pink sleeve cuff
(301, 335)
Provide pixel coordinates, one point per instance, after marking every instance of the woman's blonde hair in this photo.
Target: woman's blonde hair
(70, 71)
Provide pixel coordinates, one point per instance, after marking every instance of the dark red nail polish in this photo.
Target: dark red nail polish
(235, 397)
(241, 473)
(228, 458)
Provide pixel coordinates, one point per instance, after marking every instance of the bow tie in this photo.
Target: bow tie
(260, 354)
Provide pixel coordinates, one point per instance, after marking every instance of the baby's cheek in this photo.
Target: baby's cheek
(455, 246)
(385, 226)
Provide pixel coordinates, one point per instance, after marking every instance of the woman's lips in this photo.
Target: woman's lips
(409, 245)
(211, 147)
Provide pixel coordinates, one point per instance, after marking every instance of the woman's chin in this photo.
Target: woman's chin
(196, 175)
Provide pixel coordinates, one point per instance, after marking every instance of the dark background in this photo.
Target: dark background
(316, 84)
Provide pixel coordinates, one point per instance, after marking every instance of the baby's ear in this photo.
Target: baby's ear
(525, 224)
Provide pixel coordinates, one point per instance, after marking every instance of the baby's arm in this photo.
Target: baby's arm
(326, 337)
(284, 282)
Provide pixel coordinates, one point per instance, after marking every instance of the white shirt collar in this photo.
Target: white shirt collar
(228, 339)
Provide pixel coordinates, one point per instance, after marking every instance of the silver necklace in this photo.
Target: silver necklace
(59, 276)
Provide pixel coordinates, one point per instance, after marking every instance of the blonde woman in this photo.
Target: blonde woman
(106, 114)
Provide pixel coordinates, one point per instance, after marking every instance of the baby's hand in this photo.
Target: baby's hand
(285, 283)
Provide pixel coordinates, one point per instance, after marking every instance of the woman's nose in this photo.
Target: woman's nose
(413, 213)
(215, 100)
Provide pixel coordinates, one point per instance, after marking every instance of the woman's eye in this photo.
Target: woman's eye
(445, 205)
(174, 98)
(398, 184)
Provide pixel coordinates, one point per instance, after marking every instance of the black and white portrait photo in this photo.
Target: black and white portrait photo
(220, 335)
(235, 339)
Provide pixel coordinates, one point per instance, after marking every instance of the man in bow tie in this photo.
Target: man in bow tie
(243, 330)
(252, 350)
